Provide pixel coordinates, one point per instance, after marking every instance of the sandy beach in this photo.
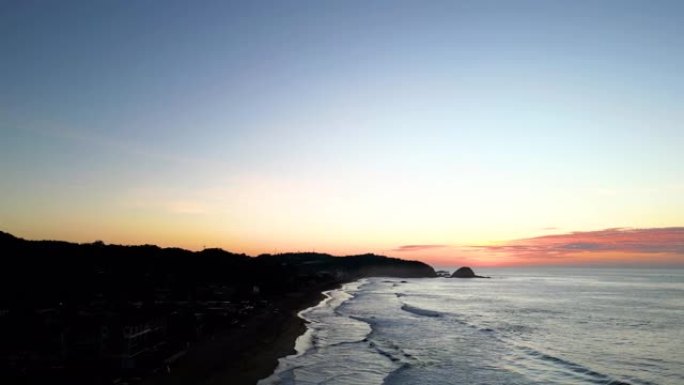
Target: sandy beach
(247, 353)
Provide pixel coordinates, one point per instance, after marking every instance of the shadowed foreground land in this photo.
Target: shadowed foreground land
(96, 313)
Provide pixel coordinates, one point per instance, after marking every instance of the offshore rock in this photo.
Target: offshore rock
(465, 272)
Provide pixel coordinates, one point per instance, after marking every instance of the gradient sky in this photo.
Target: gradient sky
(455, 131)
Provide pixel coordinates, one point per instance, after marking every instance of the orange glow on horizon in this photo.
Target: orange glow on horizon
(654, 246)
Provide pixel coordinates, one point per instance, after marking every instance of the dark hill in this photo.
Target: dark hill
(48, 272)
(349, 267)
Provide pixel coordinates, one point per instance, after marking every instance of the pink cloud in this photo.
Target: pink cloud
(668, 240)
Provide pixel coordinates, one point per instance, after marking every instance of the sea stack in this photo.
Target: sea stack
(465, 272)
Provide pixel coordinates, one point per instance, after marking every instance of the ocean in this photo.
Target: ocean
(522, 326)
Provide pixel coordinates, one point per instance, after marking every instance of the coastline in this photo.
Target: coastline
(127, 314)
(249, 353)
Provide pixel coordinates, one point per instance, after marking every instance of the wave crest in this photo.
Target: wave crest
(419, 311)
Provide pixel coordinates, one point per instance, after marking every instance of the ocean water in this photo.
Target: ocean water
(552, 326)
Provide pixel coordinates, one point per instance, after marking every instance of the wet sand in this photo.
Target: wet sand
(247, 353)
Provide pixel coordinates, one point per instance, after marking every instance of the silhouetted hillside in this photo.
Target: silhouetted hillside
(46, 272)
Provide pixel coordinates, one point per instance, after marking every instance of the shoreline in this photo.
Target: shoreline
(260, 360)
(244, 355)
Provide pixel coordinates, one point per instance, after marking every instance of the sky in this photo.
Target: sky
(483, 132)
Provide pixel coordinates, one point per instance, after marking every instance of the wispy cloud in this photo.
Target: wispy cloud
(625, 240)
(418, 247)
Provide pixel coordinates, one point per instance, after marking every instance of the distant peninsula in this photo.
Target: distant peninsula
(98, 313)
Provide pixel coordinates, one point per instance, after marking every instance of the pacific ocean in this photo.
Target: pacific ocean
(522, 326)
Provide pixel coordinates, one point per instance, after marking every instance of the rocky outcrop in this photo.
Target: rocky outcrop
(465, 272)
